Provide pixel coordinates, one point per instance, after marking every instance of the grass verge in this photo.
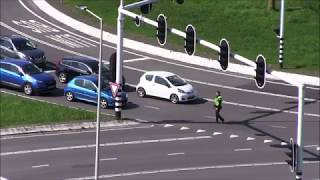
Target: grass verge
(18, 111)
(247, 24)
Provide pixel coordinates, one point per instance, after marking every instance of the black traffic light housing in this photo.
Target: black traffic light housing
(137, 21)
(112, 66)
(260, 71)
(145, 9)
(190, 40)
(179, 1)
(162, 29)
(224, 55)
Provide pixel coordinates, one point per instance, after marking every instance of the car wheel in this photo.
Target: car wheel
(62, 77)
(103, 103)
(141, 92)
(69, 96)
(27, 89)
(174, 98)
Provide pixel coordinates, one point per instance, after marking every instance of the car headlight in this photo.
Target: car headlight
(181, 91)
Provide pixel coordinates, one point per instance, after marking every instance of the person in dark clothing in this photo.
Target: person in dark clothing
(218, 106)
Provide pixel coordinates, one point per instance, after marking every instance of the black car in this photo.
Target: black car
(71, 66)
(19, 47)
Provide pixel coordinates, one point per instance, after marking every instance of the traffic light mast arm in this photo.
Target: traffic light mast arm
(139, 4)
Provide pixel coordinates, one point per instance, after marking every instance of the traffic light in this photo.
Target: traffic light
(277, 31)
(190, 40)
(162, 29)
(145, 9)
(137, 21)
(260, 71)
(112, 65)
(293, 155)
(224, 55)
(179, 1)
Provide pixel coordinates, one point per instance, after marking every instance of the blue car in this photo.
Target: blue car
(26, 76)
(85, 88)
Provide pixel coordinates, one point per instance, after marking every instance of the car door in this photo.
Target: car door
(4, 73)
(148, 84)
(14, 76)
(161, 88)
(90, 91)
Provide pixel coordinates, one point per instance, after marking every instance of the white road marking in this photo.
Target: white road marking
(63, 148)
(233, 136)
(209, 99)
(250, 138)
(152, 107)
(307, 146)
(318, 148)
(267, 141)
(2, 178)
(216, 133)
(281, 127)
(284, 144)
(176, 154)
(201, 131)
(245, 149)
(210, 117)
(195, 168)
(108, 159)
(42, 165)
(168, 125)
(184, 128)
(136, 59)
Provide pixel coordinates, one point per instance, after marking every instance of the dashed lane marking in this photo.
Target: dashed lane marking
(201, 131)
(168, 125)
(267, 141)
(216, 133)
(184, 128)
(209, 117)
(284, 144)
(250, 138)
(152, 107)
(245, 149)
(233, 136)
(176, 154)
(136, 59)
(63, 148)
(308, 146)
(2, 178)
(40, 166)
(109, 159)
(281, 127)
(186, 169)
(318, 148)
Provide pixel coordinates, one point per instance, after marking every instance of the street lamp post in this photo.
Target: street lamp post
(96, 169)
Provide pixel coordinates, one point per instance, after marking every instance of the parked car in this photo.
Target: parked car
(71, 66)
(26, 76)
(165, 85)
(85, 88)
(19, 47)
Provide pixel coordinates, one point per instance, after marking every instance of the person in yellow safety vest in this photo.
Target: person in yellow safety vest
(218, 106)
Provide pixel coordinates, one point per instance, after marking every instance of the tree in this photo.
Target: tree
(271, 4)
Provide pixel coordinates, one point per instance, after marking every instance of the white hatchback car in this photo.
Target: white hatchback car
(165, 85)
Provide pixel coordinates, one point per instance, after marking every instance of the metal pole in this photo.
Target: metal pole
(299, 168)
(281, 36)
(120, 26)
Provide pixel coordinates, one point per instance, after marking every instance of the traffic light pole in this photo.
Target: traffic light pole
(281, 35)
(238, 57)
(119, 66)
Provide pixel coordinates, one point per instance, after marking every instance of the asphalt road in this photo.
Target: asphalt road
(177, 141)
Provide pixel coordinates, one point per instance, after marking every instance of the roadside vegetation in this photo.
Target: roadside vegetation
(18, 111)
(247, 24)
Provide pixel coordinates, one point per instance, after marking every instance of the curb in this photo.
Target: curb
(161, 52)
(62, 127)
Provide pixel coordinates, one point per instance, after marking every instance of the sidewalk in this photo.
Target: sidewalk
(161, 52)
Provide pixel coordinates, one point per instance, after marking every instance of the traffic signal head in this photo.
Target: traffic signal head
(190, 40)
(145, 9)
(162, 29)
(224, 55)
(112, 65)
(137, 21)
(179, 1)
(260, 71)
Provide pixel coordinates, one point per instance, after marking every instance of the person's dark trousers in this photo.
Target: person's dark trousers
(218, 116)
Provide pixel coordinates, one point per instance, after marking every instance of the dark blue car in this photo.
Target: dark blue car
(26, 76)
(85, 88)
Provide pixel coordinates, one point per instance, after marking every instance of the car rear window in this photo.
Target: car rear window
(79, 82)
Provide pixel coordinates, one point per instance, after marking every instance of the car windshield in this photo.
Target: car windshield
(23, 44)
(176, 80)
(104, 69)
(31, 69)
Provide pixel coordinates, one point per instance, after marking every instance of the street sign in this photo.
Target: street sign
(260, 71)
(114, 88)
